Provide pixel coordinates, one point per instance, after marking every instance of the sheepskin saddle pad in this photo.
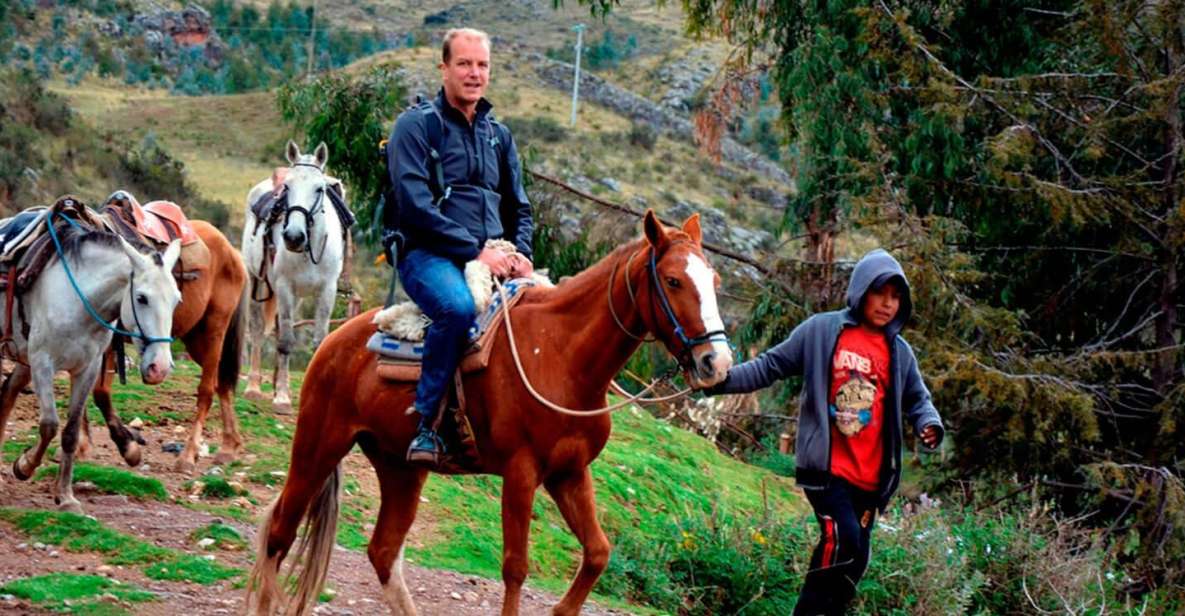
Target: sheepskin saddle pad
(399, 339)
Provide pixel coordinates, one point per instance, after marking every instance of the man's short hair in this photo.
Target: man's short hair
(446, 51)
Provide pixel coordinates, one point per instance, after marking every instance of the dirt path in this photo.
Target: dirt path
(436, 592)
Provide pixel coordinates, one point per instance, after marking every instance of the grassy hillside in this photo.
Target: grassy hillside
(651, 478)
(694, 532)
(229, 143)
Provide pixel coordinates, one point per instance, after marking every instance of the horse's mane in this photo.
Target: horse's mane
(590, 283)
(75, 238)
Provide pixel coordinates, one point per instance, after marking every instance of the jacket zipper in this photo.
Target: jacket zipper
(827, 394)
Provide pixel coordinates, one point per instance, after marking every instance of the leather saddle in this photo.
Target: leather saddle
(160, 222)
(399, 360)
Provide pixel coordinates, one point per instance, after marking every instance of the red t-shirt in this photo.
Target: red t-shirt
(859, 377)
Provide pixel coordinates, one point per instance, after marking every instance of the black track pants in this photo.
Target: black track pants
(846, 515)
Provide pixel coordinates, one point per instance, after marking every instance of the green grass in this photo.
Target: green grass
(111, 480)
(649, 476)
(77, 533)
(190, 569)
(78, 594)
(214, 486)
(225, 537)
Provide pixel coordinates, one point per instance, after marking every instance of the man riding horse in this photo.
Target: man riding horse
(457, 182)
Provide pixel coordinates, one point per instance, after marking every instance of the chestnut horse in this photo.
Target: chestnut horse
(574, 337)
(210, 321)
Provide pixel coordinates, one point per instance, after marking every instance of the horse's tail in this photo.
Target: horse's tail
(317, 545)
(314, 552)
(231, 361)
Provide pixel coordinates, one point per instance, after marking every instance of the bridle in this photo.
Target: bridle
(684, 356)
(664, 303)
(139, 333)
(309, 214)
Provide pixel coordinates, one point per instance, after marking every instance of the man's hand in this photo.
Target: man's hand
(930, 436)
(520, 266)
(499, 262)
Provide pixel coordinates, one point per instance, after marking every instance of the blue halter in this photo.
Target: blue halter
(139, 335)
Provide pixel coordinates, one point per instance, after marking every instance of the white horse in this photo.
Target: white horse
(301, 255)
(64, 322)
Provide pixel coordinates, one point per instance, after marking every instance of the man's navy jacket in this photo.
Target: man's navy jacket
(485, 197)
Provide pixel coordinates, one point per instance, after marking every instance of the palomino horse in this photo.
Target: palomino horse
(209, 321)
(313, 239)
(575, 338)
(97, 277)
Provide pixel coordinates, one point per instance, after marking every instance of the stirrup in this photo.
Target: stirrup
(416, 455)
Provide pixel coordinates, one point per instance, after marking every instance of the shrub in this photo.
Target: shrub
(536, 128)
(643, 136)
(772, 459)
(712, 565)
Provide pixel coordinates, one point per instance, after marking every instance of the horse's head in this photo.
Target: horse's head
(306, 185)
(682, 286)
(147, 308)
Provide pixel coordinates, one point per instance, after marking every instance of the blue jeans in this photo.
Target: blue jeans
(437, 286)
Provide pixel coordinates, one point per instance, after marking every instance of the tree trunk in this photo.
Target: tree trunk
(819, 255)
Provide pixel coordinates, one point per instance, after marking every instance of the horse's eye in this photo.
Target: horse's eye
(673, 283)
(141, 299)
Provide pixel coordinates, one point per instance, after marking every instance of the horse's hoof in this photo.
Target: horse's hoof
(71, 506)
(185, 466)
(132, 455)
(282, 407)
(18, 472)
(222, 458)
(253, 393)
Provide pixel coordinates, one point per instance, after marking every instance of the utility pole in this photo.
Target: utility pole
(579, 28)
(312, 41)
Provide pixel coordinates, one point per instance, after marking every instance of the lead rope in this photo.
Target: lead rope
(561, 409)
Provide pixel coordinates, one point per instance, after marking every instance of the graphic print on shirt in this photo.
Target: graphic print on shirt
(852, 409)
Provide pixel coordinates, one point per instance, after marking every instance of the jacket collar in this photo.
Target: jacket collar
(483, 108)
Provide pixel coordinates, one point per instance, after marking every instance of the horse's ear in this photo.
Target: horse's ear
(138, 260)
(693, 230)
(172, 253)
(656, 234)
(321, 154)
(292, 152)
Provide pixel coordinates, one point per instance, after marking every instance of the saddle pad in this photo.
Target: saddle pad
(19, 231)
(394, 348)
(408, 371)
(168, 213)
(405, 369)
(195, 256)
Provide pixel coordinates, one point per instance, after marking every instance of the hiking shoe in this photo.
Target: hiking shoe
(426, 448)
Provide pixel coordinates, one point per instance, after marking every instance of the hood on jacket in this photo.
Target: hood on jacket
(873, 270)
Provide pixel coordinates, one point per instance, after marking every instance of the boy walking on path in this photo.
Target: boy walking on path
(860, 382)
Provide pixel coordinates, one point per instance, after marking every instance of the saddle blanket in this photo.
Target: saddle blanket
(386, 345)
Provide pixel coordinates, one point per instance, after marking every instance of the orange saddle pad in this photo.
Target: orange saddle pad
(166, 216)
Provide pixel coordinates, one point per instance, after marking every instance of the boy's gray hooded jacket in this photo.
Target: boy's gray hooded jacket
(808, 352)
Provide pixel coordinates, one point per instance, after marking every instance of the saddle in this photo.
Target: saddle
(270, 206)
(400, 361)
(157, 224)
(26, 248)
